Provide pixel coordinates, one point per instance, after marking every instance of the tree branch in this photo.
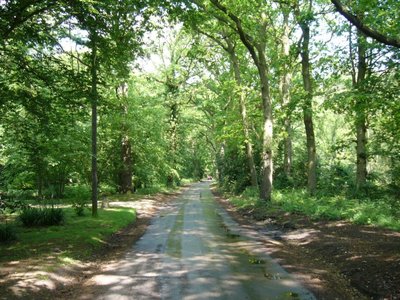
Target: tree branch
(19, 17)
(246, 39)
(353, 19)
(212, 37)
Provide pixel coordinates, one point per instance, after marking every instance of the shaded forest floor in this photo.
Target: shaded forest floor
(334, 259)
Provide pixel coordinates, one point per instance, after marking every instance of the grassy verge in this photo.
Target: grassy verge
(379, 212)
(76, 240)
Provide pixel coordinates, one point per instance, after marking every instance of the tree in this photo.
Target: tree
(226, 42)
(358, 22)
(304, 19)
(285, 67)
(103, 23)
(360, 111)
(255, 42)
(126, 172)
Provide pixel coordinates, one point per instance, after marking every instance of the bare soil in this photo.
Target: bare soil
(335, 260)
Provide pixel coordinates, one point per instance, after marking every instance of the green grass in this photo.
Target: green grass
(384, 212)
(76, 240)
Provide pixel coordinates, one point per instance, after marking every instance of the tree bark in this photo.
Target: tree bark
(220, 157)
(243, 111)
(126, 172)
(286, 79)
(94, 99)
(173, 123)
(308, 110)
(361, 127)
(267, 162)
(125, 175)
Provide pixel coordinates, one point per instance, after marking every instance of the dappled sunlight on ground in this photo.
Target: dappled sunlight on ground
(54, 275)
(194, 250)
(304, 236)
(31, 278)
(336, 259)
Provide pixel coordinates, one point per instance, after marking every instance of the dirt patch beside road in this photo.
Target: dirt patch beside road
(335, 260)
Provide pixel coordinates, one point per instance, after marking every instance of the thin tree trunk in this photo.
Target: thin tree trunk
(308, 110)
(361, 127)
(173, 122)
(125, 175)
(220, 157)
(126, 172)
(243, 111)
(285, 95)
(94, 99)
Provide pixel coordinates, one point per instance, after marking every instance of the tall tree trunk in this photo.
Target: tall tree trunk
(286, 79)
(266, 155)
(308, 110)
(360, 123)
(94, 99)
(173, 122)
(126, 172)
(243, 112)
(257, 52)
(125, 175)
(220, 158)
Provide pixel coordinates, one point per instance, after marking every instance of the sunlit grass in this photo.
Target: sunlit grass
(76, 240)
(379, 212)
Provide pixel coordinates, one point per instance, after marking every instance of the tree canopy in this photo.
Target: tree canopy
(263, 95)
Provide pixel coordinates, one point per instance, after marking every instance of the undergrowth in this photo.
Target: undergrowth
(384, 212)
(42, 216)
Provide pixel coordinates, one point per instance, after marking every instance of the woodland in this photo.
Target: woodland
(293, 102)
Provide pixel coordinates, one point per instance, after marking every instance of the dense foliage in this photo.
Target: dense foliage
(258, 93)
(42, 217)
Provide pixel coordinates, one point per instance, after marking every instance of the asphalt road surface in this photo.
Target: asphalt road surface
(193, 250)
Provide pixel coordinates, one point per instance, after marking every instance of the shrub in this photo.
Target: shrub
(42, 217)
(79, 205)
(11, 205)
(7, 233)
(77, 192)
(107, 189)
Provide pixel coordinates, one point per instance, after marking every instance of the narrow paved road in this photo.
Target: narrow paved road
(194, 250)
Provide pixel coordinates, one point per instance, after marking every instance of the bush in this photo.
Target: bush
(42, 217)
(77, 192)
(79, 206)
(151, 190)
(7, 233)
(251, 192)
(382, 212)
(22, 194)
(11, 205)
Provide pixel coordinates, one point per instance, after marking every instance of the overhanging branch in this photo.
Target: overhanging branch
(353, 19)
